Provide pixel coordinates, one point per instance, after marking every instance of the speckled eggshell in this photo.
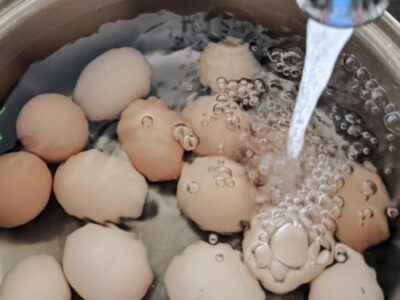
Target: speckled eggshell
(216, 137)
(145, 132)
(373, 229)
(103, 188)
(216, 196)
(111, 81)
(25, 186)
(37, 277)
(53, 127)
(204, 271)
(351, 280)
(103, 263)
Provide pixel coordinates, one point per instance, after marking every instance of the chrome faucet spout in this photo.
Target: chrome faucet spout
(343, 13)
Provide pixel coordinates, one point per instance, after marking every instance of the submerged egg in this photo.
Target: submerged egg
(362, 222)
(103, 263)
(214, 192)
(111, 81)
(210, 272)
(25, 186)
(37, 277)
(103, 188)
(351, 280)
(219, 125)
(53, 127)
(230, 59)
(154, 138)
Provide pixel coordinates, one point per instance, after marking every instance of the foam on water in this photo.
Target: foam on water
(324, 45)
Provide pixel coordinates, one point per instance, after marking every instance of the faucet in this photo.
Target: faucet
(343, 13)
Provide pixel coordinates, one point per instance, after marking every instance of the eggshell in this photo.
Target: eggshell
(111, 81)
(351, 280)
(103, 188)
(146, 134)
(53, 127)
(203, 271)
(104, 263)
(215, 193)
(363, 221)
(25, 186)
(37, 277)
(230, 59)
(217, 136)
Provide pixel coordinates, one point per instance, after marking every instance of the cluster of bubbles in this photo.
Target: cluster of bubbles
(185, 136)
(222, 174)
(287, 62)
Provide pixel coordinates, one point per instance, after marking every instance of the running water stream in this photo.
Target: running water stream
(324, 45)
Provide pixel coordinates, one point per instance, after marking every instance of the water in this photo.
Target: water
(324, 45)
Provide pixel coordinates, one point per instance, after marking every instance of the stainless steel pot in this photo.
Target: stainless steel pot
(30, 30)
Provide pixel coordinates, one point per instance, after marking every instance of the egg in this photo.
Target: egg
(154, 138)
(363, 221)
(38, 277)
(53, 127)
(215, 193)
(282, 253)
(351, 280)
(111, 81)
(230, 59)
(103, 263)
(204, 271)
(103, 188)
(25, 186)
(219, 125)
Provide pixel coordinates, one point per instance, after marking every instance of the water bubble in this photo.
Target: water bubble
(233, 85)
(368, 213)
(147, 121)
(219, 257)
(275, 55)
(192, 187)
(373, 140)
(366, 150)
(389, 108)
(392, 148)
(190, 142)
(392, 122)
(189, 87)
(180, 130)
(341, 255)
(218, 109)
(331, 90)
(336, 212)
(351, 63)
(220, 181)
(371, 84)
(221, 80)
(213, 239)
(390, 137)
(369, 188)
(222, 98)
(392, 212)
(338, 201)
(362, 75)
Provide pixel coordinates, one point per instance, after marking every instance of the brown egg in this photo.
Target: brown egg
(103, 188)
(111, 81)
(154, 138)
(219, 125)
(25, 186)
(351, 280)
(204, 271)
(103, 263)
(215, 193)
(38, 277)
(362, 222)
(230, 59)
(53, 127)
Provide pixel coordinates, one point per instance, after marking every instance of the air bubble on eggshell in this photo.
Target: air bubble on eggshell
(151, 146)
(38, 277)
(102, 188)
(363, 190)
(350, 280)
(220, 199)
(103, 263)
(25, 186)
(111, 81)
(53, 127)
(205, 271)
(215, 137)
(230, 59)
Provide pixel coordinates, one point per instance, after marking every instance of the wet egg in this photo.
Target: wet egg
(215, 193)
(100, 187)
(53, 127)
(204, 271)
(38, 277)
(111, 81)
(25, 186)
(103, 263)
